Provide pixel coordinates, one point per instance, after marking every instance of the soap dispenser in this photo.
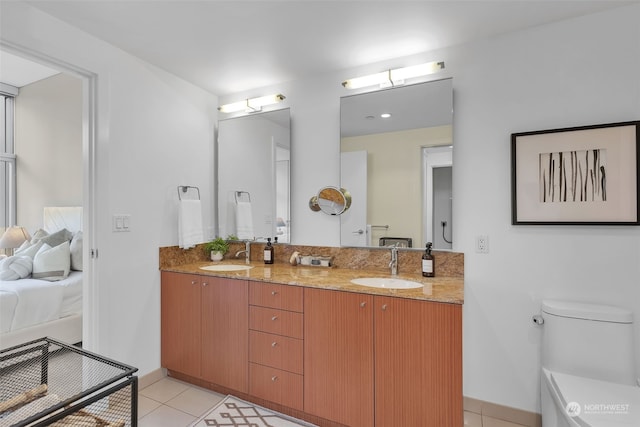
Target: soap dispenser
(428, 269)
(268, 252)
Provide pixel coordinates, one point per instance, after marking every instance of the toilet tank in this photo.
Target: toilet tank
(588, 340)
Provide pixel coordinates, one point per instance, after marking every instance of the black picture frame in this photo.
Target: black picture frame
(586, 175)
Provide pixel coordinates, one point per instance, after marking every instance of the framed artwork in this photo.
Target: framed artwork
(576, 176)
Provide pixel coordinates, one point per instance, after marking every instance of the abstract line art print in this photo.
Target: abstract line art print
(573, 176)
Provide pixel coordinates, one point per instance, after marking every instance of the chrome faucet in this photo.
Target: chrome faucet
(394, 259)
(246, 252)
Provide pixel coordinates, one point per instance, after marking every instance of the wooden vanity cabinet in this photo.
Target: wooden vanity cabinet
(205, 331)
(418, 363)
(382, 361)
(276, 337)
(180, 323)
(338, 356)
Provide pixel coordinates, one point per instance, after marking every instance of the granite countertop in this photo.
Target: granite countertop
(438, 289)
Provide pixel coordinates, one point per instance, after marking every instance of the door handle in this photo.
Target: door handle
(361, 231)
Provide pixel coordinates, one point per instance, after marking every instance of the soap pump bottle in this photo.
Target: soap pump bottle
(428, 269)
(268, 252)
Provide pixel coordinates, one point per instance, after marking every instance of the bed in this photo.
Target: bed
(32, 308)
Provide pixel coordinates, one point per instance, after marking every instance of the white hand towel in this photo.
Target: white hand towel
(244, 221)
(189, 224)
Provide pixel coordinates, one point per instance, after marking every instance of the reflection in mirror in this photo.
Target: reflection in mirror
(331, 200)
(253, 158)
(400, 183)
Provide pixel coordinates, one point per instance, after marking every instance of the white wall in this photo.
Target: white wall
(48, 139)
(578, 72)
(569, 73)
(154, 132)
(572, 73)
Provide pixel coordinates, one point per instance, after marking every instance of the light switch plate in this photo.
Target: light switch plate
(121, 223)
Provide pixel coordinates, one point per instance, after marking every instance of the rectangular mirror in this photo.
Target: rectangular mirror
(398, 168)
(253, 174)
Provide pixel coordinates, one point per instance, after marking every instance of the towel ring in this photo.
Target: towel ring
(185, 188)
(238, 194)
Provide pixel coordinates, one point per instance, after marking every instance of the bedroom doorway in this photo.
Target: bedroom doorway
(88, 187)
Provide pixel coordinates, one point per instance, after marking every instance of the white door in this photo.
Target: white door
(353, 177)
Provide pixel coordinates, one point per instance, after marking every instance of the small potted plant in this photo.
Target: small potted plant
(217, 248)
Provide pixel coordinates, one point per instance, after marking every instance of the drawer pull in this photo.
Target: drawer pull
(384, 307)
(274, 344)
(274, 293)
(274, 378)
(204, 284)
(194, 282)
(363, 304)
(274, 318)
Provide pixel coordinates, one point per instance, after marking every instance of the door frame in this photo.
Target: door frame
(90, 306)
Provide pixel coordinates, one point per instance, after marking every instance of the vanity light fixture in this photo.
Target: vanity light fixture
(251, 105)
(394, 77)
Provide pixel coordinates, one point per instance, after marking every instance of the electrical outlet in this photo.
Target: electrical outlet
(482, 244)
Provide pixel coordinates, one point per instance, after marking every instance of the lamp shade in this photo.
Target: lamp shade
(14, 237)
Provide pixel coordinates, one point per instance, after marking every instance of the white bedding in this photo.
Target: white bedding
(28, 302)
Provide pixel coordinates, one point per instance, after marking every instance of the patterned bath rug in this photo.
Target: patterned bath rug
(232, 411)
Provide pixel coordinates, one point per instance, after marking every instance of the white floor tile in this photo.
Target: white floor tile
(471, 419)
(165, 416)
(146, 405)
(195, 401)
(164, 390)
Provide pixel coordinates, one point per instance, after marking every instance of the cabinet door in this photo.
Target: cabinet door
(180, 323)
(338, 356)
(225, 332)
(418, 369)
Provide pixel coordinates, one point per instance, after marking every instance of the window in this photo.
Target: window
(7, 157)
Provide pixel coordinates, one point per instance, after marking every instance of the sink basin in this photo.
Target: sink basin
(386, 283)
(226, 267)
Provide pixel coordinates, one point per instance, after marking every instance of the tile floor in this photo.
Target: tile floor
(173, 403)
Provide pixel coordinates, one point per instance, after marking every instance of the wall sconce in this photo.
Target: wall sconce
(14, 237)
(251, 105)
(393, 77)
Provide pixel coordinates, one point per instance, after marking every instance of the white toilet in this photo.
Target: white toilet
(588, 367)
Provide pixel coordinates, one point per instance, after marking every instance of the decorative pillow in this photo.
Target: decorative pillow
(57, 238)
(16, 267)
(38, 235)
(52, 263)
(30, 250)
(76, 251)
(23, 246)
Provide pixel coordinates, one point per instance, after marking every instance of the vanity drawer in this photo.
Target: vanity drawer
(276, 385)
(276, 351)
(276, 296)
(280, 322)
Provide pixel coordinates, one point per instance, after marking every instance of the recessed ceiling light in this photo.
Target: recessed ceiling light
(385, 115)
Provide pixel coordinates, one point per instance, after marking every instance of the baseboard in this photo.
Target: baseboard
(506, 413)
(150, 378)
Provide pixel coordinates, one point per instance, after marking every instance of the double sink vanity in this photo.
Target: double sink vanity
(313, 343)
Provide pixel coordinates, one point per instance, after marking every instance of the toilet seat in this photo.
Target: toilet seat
(599, 403)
